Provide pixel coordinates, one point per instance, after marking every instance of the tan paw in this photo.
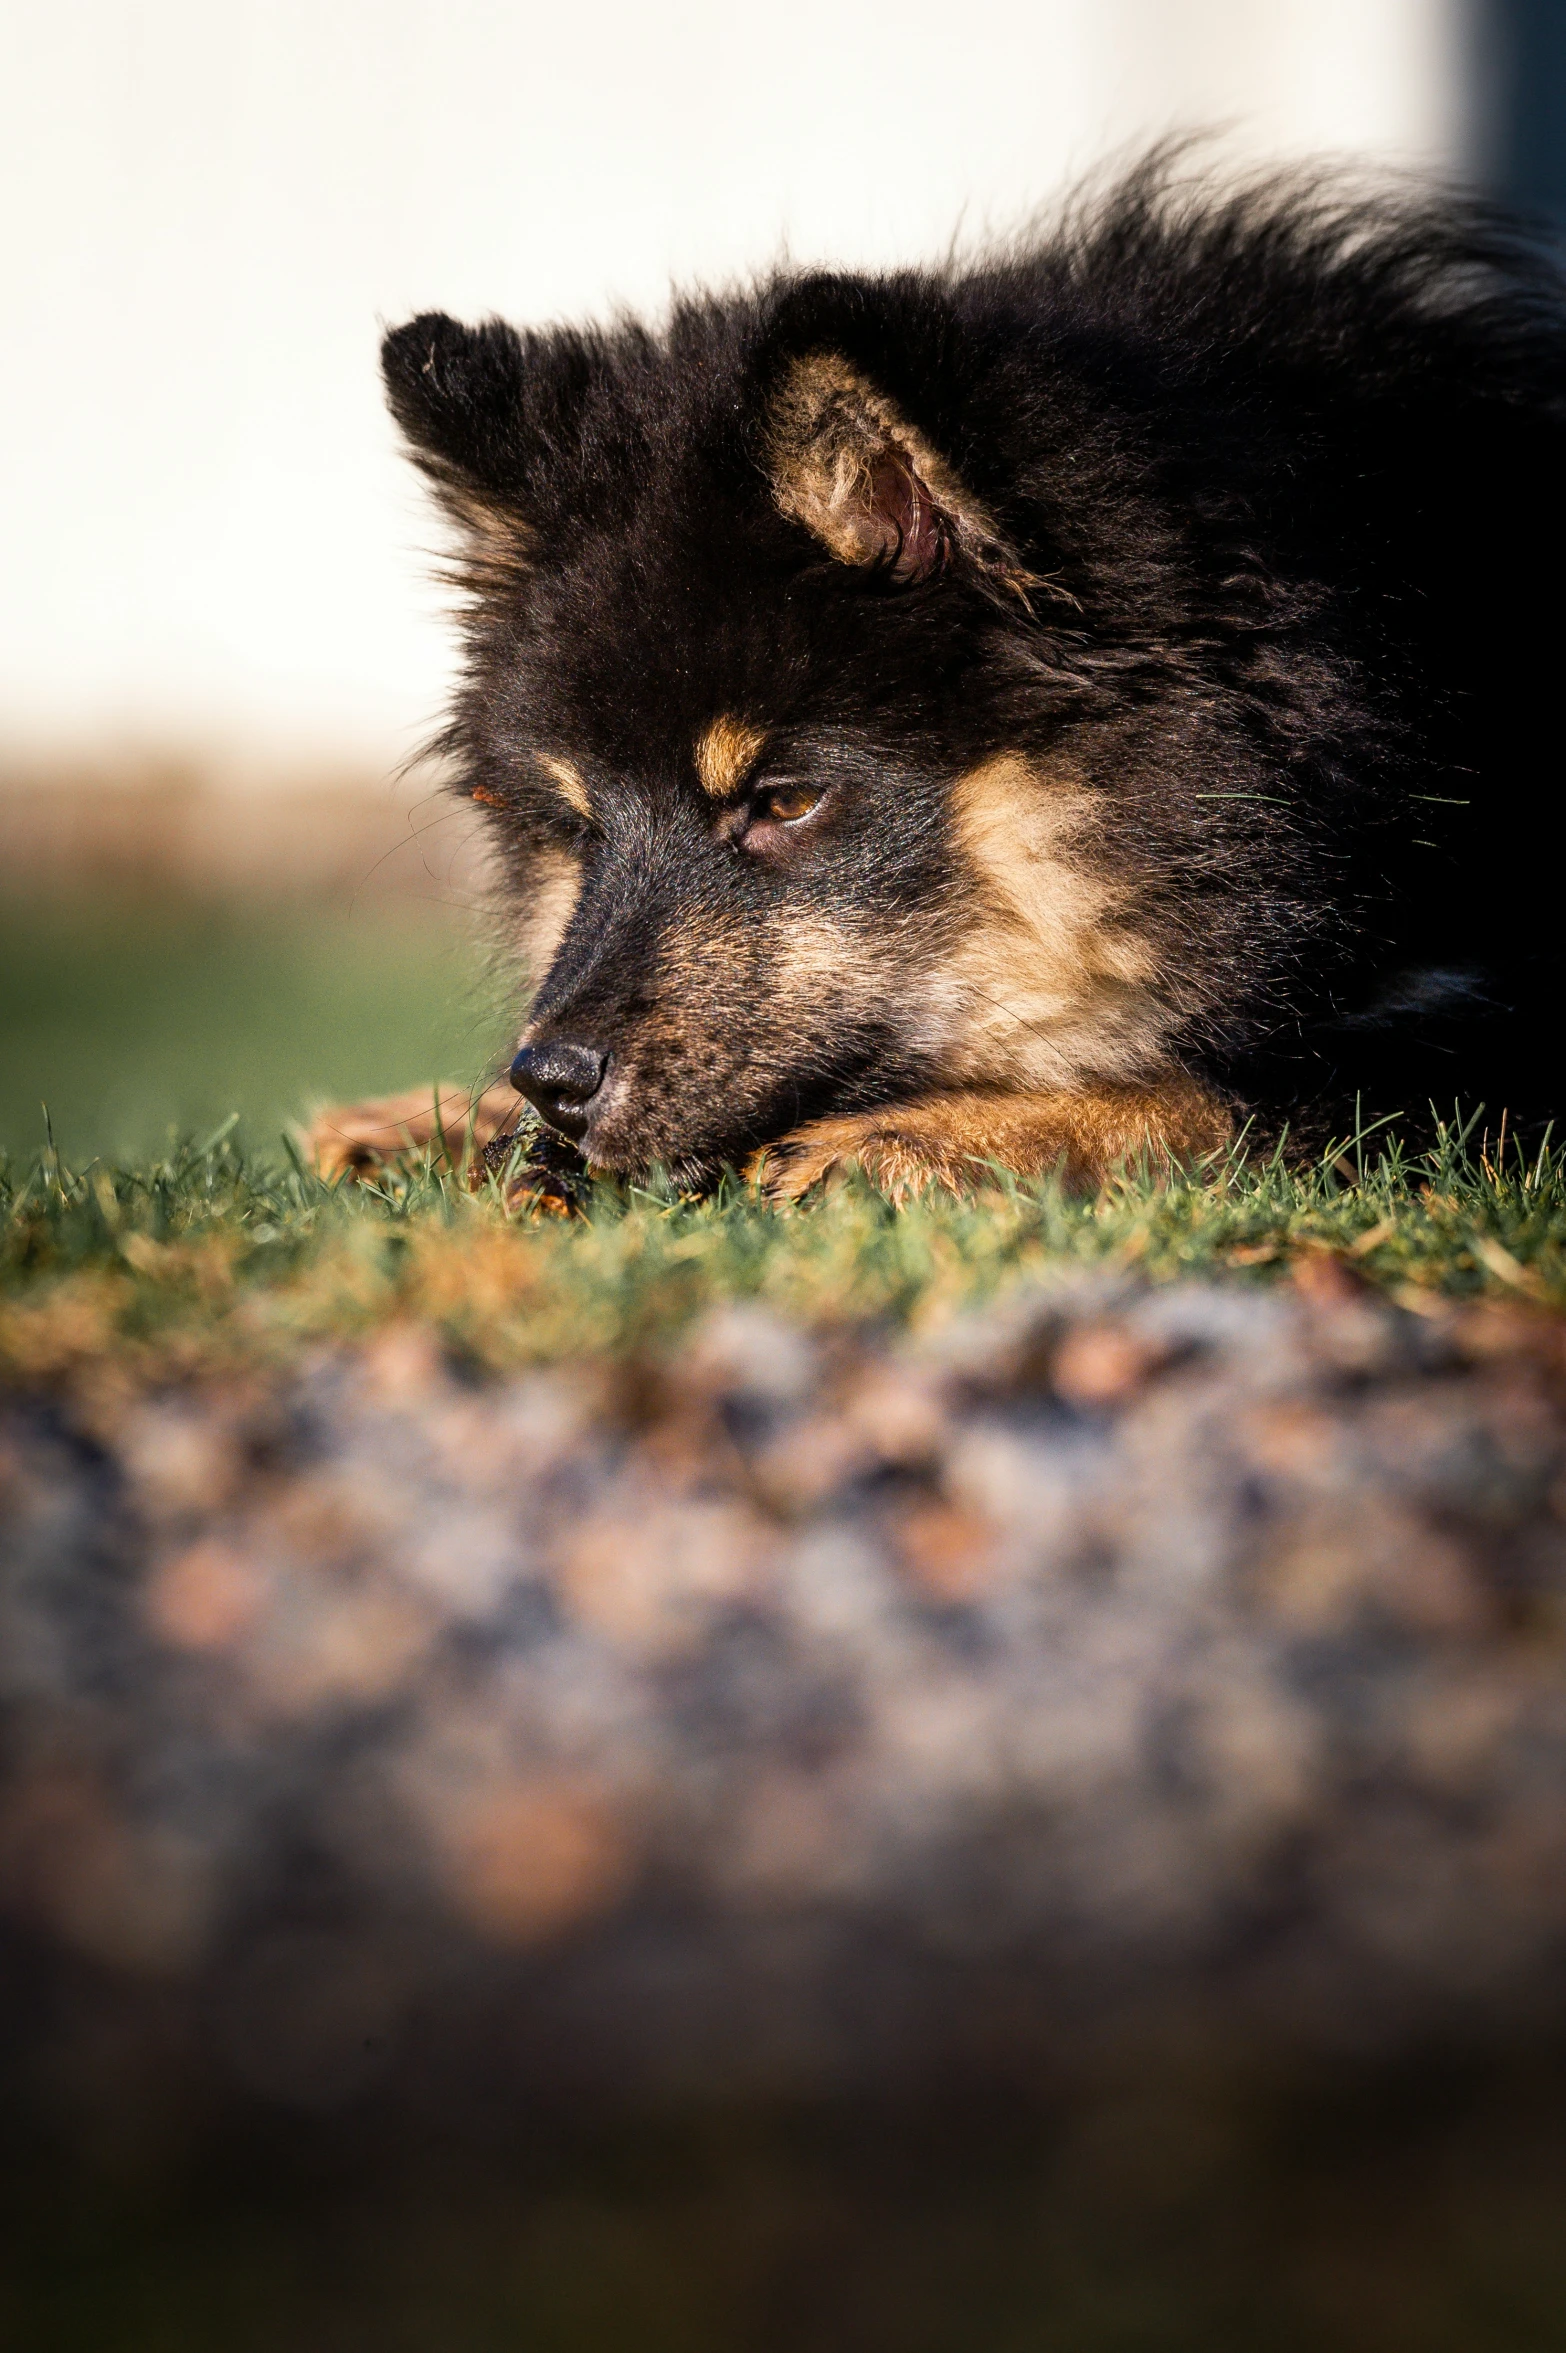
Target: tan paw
(960, 1139)
(354, 1138)
(895, 1156)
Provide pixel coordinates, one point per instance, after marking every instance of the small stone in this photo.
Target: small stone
(207, 1597)
(527, 1861)
(950, 1555)
(1103, 1364)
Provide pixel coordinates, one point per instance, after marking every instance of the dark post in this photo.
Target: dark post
(1521, 71)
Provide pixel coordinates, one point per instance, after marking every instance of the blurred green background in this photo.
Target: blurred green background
(132, 1016)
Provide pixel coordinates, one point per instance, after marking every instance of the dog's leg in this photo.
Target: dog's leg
(954, 1140)
(357, 1137)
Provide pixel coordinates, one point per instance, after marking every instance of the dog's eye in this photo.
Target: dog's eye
(785, 804)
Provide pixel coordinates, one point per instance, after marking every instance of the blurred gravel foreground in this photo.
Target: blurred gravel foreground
(1155, 1668)
(1099, 1770)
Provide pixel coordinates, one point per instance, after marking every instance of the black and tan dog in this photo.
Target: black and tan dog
(1031, 714)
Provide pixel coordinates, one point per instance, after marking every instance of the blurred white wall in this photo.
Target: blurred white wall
(206, 210)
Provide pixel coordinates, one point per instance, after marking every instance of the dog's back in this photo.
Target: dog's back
(1389, 382)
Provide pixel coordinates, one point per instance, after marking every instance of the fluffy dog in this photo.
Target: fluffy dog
(1037, 713)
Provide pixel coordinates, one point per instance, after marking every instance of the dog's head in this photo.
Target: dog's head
(809, 787)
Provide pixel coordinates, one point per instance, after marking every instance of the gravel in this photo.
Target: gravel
(1121, 1670)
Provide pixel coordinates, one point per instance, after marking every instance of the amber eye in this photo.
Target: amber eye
(785, 804)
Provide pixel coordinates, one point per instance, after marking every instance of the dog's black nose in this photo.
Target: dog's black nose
(560, 1080)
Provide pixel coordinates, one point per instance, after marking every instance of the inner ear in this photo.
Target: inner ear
(867, 483)
(915, 537)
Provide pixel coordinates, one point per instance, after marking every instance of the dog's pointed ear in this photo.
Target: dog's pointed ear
(867, 483)
(495, 419)
(459, 395)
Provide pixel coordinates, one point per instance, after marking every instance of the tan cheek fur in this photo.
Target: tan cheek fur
(811, 967)
(820, 973)
(813, 973)
(1051, 982)
(809, 956)
(553, 890)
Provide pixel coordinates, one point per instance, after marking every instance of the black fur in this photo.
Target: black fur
(1287, 470)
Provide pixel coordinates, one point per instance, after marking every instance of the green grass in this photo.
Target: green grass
(206, 1257)
(134, 1018)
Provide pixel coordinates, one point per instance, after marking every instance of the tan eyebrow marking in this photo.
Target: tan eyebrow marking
(725, 751)
(570, 782)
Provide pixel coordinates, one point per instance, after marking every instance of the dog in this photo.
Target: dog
(1085, 705)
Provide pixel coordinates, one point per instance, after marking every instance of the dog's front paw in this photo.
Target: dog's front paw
(899, 1155)
(959, 1140)
(354, 1139)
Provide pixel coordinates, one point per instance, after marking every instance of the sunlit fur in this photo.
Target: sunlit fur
(725, 754)
(1155, 624)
